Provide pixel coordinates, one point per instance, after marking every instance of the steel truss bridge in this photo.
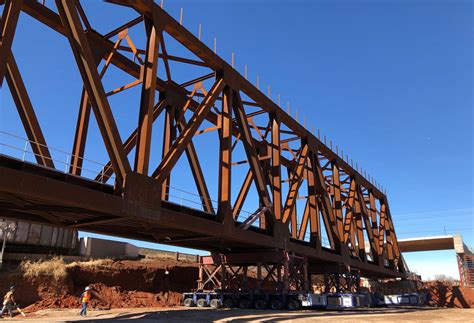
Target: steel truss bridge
(131, 198)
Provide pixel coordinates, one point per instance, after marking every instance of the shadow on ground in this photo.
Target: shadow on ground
(237, 315)
(442, 295)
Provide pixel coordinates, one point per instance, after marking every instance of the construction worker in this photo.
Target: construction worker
(85, 297)
(9, 301)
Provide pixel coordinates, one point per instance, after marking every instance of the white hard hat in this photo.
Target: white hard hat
(88, 288)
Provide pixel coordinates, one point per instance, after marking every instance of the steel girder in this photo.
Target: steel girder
(341, 205)
(271, 271)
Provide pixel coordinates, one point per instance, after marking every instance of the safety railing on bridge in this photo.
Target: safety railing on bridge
(188, 199)
(17, 147)
(20, 148)
(14, 146)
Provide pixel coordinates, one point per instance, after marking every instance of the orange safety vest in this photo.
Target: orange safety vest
(8, 298)
(86, 296)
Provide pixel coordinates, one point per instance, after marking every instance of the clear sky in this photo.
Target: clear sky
(389, 82)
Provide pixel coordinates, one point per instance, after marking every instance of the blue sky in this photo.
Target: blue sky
(389, 82)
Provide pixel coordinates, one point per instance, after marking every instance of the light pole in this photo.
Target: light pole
(6, 229)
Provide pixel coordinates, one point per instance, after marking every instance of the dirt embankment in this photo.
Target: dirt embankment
(142, 283)
(115, 284)
(442, 294)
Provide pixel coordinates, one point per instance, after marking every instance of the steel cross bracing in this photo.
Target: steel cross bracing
(306, 192)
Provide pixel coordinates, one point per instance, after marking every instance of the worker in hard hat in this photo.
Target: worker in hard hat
(9, 301)
(85, 297)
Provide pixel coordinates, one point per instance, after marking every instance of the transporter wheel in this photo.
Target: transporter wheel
(201, 302)
(215, 303)
(228, 302)
(260, 304)
(188, 302)
(293, 305)
(276, 304)
(244, 303)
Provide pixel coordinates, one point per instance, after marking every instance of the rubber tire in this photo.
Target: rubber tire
(215, 303)
(293, 305)
(244, 303)
(276, 304)
(201, 302)
(189, 302)
(228, 302)
(260, 304)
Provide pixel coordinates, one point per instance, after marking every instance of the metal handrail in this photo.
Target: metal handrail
(67, 162)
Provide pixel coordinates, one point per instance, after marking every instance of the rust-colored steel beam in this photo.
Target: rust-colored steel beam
(147, 101)
(257, 171)
(372, 233)
(82, 126)
(197, 172)
(295, 184)
(85, 61)
(329, 217)
(165, 57)
(358, 226)
(382, 229)
(349, 206)
(371, 212)
(394, 249)
(293, 222)
(395, 244)
(304, 222)
(244, 190)
(49, 18)
(216, 63)
(80, 137)
(224, 209)
(169, 136)
(313, 204)
(52, 20)
(276, 168)
(8, 23)
(388, 236)
(162, 171)
(130, 143)
(336, 200)
(27, 114)
(126, 25)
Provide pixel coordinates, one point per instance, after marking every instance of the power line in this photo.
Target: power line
(438, 230)
(431, 218)
(470, 210)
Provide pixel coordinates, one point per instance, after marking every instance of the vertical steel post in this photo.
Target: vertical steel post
(201, 274)
(145, 119)
(225, 156)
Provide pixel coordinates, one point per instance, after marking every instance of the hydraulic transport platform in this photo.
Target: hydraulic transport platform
(294, 300)
(280, 280)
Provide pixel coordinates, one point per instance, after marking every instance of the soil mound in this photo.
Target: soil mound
(114, 284)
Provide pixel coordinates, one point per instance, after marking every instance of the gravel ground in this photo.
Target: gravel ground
(178, 314)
